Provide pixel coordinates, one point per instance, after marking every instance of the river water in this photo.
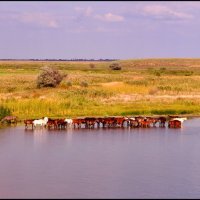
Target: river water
(101, 163)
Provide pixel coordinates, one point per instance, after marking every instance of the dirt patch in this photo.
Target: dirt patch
(123, 98)
(112, 83)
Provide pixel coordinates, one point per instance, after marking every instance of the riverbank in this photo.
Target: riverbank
(142, 87)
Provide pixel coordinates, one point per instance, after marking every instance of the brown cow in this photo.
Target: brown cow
(109, 122)
(52, 123)
(10, 119)
(145, 123)
(162, 121)
(120, 121)
(78, 122)
(90, 122)
(100, 120)
(61, 124)
(28, 122)
(174, 124)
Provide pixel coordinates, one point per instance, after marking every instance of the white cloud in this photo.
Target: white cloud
(109, 17)
(41, 19)
(164, 12)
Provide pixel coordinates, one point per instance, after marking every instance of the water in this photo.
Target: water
(110, 163)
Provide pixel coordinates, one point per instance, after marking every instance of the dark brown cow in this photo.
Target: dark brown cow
(61, 124)
(52, 123)
(100, 120)
(90, 122)
(78, 122)
(28, 122)
(174, 124)
(162, 121)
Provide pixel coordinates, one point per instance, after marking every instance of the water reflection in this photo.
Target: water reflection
(101, 163)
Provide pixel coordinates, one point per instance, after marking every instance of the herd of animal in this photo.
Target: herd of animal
(110, 122)
(92, 122)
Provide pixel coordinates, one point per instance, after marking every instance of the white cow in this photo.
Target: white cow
(69, 122)
(40, 122)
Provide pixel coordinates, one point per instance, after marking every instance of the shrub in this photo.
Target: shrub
(69, 83)
(4, 112)
(84, 84)
(92, 65)
(115, 66)
(50, 77)
(157, 73)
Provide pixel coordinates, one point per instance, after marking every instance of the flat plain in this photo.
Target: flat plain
(141, 87)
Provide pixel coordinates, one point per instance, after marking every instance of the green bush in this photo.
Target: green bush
(50, 77)
(4, 112)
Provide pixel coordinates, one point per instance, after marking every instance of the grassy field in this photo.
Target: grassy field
(142, 87)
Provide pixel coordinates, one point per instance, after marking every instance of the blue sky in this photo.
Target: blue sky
(104, 29)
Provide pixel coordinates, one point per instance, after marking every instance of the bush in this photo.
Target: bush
(84, 84)
(49, 77)
(115, 66)
(69, 84)
(4, 112)
(92, 65)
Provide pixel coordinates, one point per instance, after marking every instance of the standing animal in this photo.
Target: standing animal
(78, 121)
(10, 119)
(40, 122)
(28, 122)
(90, 122)
(69, 122)
(133, 122)
(174, 124)
(162, 121)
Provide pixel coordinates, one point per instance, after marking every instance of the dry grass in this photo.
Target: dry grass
(134, 89)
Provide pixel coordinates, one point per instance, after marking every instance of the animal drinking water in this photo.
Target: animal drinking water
(10, 119)
(69, 122)
(176, 122)
(40, 122)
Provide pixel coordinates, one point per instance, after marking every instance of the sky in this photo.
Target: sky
(99, 29)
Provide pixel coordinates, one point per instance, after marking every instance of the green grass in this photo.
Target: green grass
(105, 91)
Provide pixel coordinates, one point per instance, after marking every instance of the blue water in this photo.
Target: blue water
(101, 163)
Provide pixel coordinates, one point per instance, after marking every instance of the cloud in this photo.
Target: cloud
(36, 19)
(164, 13)
(109, 17)
(84, 11)
(41, 19)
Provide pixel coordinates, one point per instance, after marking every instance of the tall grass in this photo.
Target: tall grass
(105, 91)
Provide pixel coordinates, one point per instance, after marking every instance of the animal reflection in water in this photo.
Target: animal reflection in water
(105, 122)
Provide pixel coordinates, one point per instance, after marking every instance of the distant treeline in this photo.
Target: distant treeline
(91, 60)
